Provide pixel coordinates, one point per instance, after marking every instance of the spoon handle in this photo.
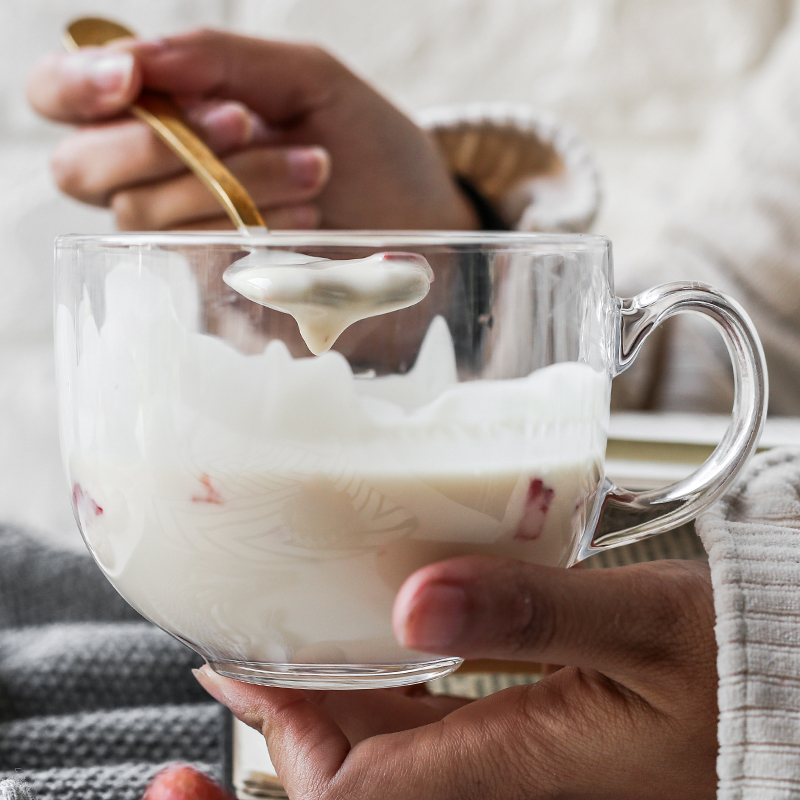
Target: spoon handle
(166, 120)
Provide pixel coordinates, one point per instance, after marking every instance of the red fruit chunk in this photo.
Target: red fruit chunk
(537, 504)
(182, 782)
(87, 508)
(209, 495)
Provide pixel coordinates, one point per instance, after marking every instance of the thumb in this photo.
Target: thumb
(617, 621)
(90, 84)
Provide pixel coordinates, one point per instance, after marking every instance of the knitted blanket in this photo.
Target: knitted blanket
(94, 700)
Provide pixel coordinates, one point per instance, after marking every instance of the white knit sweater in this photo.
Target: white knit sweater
(739, 230)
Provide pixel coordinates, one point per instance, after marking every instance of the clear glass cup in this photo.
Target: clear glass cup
(264, 506)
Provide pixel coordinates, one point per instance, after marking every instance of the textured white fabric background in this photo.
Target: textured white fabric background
(638, 78)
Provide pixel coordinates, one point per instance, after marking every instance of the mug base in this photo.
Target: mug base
(335, 676)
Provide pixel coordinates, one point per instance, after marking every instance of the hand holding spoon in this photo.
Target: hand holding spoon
(325, 297)
(164, 117)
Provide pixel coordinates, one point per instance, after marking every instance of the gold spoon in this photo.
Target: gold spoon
(165, 118)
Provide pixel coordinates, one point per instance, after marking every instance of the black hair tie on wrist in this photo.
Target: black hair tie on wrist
(488, 218)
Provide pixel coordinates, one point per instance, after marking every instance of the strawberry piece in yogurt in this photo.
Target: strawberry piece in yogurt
(209, 493)
(537, 504)
(87, 508)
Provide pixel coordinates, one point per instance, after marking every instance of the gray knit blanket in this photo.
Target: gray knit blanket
(94, 700)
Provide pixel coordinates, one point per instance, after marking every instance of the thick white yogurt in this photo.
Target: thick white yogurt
(326, 297)
(267, 509)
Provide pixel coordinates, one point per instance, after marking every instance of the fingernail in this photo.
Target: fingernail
(436, 618)
(214, 684)
(111, 73)
(230, 121)
(307, 166)
(224, 690)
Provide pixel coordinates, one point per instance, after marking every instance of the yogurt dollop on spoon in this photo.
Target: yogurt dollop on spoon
(326, 297)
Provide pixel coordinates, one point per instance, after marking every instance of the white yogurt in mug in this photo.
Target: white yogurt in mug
(266, 509)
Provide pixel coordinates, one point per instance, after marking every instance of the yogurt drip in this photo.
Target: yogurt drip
(326, 297)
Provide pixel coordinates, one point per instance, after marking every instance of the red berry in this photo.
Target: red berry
(87, 508)
(182, 782)
(537, 504)
(209, 494)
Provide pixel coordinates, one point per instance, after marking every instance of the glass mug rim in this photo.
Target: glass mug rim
(620, 516)
(507, 240)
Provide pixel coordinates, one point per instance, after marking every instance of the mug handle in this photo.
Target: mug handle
(623, 516)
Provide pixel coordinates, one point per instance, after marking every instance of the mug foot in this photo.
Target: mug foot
(335, 676)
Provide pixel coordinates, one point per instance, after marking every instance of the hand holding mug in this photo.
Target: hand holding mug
(265, 507)
(633, 713)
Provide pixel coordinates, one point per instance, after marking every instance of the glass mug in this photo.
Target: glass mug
(264, 506)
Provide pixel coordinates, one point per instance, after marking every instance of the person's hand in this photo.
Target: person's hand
(633, 716)
(313, 144)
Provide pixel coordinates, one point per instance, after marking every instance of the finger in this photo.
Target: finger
(296, 218)
(280, 81)
(619, 621)
(91, 84)
(283, 179)
(97, 161)
(313, 758)
(305, 745)
(374, 712)
(359, 714)
(291, 218)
